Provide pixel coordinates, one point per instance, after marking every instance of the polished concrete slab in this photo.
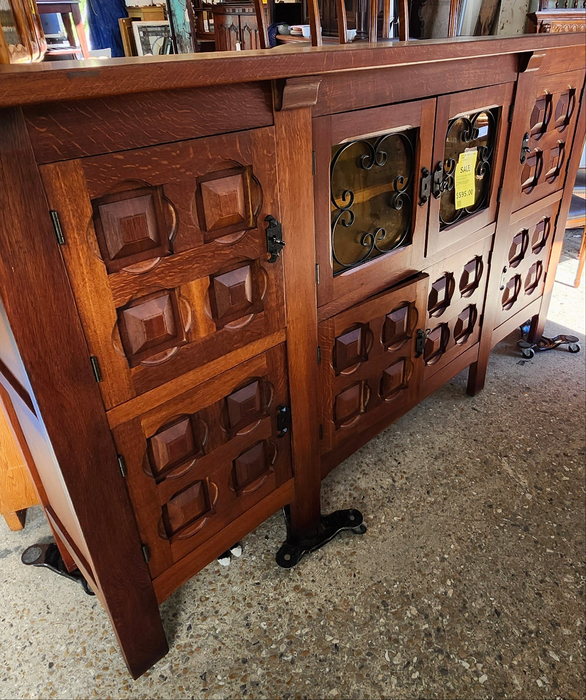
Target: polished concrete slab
(468, 584)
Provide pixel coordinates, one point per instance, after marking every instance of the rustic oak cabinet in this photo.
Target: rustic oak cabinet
(220, 276)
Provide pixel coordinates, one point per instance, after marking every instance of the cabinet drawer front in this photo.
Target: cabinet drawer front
(478, 120)
(455, 305)
(166, 252)
(524, 272)
(549, 122)
(196, 463)
(369, 368)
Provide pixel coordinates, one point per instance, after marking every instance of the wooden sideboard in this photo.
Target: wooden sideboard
(177, 383)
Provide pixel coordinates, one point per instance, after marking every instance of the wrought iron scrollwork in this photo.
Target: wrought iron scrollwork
(473, 134)
(378, 241)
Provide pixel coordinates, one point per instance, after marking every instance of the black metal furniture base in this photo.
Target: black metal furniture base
(48, 555)
(293, 549)
(528, 350)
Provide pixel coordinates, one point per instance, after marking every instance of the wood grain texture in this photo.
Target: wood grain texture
(72, 130)
(86, 456)
(294, 160)
(88, 79)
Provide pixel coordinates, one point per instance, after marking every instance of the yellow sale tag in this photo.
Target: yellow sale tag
(465, 179)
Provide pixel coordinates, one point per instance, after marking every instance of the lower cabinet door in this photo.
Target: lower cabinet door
(523, 278)
(197, 462)
(455, 305)
(370, 369)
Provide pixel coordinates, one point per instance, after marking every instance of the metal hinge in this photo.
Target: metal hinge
(283, 420)
(275, 242)
(321, 432)
(318, 355)
(317, 274)
(313, 162)
(122, 465)
(96, 368)
(57, 227)
(146, 553)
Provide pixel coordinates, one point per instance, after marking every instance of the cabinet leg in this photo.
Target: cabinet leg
(16, 519)
(329, 526)
(477, 375)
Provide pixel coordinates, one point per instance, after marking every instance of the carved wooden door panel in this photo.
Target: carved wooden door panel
(549, 124)
(478, 120)
(370, 369)
(166, 251)
(196, 463)
(455, 305)
(370, 215)
(523, 276)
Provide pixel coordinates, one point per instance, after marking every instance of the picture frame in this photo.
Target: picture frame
(152, 38)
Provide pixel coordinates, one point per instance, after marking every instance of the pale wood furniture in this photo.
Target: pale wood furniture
(69, 11)
(186, 380)
(17, 492)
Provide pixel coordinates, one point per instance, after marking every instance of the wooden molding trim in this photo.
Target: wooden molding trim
(529, 62)
(298, 92)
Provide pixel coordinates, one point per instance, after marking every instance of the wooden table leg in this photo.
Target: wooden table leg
(16, 520)
(80, 30)
(581, 257)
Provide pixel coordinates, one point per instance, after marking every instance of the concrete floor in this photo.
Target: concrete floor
(468, 584)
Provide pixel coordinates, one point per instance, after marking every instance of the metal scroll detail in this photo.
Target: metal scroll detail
(477, 131)
(355, 211)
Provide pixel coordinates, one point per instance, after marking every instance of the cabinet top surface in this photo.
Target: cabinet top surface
(72, 80)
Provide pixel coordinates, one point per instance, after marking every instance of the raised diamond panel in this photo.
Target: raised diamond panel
(251, 464)
(436, 343)
(172, 445)
(533, 277)
(224, 202)
(185, 507)
(232, 293)
(348, 404)
(518, 247)
(511, 292)
(465, 323)
(130, 227)
(350, 349)
(396, 329)
(540, 235)
(541, 115)
(244, 406)
(149, 325)
(565, 108)
(440, 294)
(471, 276)
(394, 379)
(531, 171)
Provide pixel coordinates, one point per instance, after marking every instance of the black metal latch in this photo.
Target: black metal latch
(283, 420)
(525, 148)
(420, 339)
(425, 186)
(442, 181)
(275, 240)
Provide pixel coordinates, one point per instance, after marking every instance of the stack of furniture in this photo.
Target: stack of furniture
(178, 374)
(559, 16)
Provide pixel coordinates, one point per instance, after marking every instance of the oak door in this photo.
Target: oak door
(370, 216)
(474, 120)
(549, 122)
(196, 463)
(370, 368)
(455, 305)
(165, 248)
(524, 272)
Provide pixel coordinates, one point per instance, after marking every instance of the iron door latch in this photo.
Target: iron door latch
(525, 148)
(420, 339)
(425, 186)
(275, 242)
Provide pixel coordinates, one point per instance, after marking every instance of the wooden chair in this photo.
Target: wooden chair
(315, 22)
(577, 219)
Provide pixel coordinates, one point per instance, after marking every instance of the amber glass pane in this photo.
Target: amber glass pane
(371, 197)
(470, 131)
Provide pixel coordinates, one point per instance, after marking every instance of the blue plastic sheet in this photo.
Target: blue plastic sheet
(103, 16)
